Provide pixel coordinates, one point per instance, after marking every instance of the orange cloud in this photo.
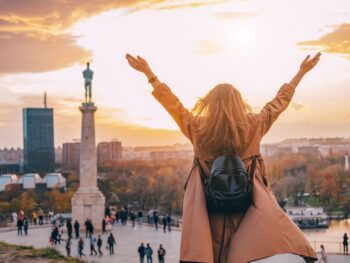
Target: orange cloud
(337, 41)
(33, 33)
(33, 53)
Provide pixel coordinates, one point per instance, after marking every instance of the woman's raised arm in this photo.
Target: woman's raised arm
(274, 108)
(164, 95)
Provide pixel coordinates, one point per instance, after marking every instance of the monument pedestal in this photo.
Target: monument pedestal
(88, 202)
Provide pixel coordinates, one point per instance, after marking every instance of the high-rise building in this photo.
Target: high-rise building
(71, 153)
(38, 140)
(109, 151)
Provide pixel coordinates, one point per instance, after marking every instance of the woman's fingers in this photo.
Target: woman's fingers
(317, 56)
(306, 59)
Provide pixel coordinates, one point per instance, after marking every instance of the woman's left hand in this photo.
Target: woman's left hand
(308, 64)
(138, 63)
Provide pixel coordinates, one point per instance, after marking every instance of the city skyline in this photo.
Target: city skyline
(189, 44)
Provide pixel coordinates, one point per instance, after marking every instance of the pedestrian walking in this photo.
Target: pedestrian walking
(81, 247)
(68, 245)
(54, 235)
(168, 221)
(92, 246)
(87, 228)
(19, 227)
(164, 223)
(34, 217)
(69, 228)
(140, 217)
(222, 128)
(111, 241)
(103, 226)
(324, 258)
(149, 253)
(25, 226)
(345, 244)
(142, 252)
(132, 218)
(161, 254)
(41, 217)
(156, 219)
(99, 245)
(76, 229)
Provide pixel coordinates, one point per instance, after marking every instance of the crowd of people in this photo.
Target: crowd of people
(64, 231)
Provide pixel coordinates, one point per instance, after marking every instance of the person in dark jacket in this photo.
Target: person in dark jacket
(164, 223)
(54, 235)
(19, 227)
(103, 225)
(99, 245)
(81, 247)
(168, 221)
(25, 226)
(69, 228)
(156, 219)
(87, 227)
(76, 229)
(345, 244)
(111, 242)
(161, 254)
(140, 217)
(149, 253)
(141, 250)
(68, 245)
(132, 218)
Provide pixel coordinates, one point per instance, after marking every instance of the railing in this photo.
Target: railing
(329, 246)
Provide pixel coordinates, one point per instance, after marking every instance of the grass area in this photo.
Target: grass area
(24, 253)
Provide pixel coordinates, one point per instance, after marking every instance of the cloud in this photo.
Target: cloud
(337, 41)
(55, 14)
(33, 34)
(33, 53)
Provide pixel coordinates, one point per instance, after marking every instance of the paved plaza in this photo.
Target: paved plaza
(128, 239)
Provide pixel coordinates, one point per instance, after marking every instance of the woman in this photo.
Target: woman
(324, 258)
(219, 120)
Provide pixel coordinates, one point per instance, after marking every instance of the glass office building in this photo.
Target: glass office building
(38, 140)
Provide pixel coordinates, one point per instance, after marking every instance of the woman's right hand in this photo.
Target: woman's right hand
(138, 64)
(309, 64)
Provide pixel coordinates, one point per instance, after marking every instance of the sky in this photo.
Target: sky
(190, 45)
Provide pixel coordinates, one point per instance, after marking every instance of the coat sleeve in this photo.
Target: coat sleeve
(174, 107)
(275, 107)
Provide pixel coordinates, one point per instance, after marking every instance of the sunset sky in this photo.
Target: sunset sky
(191, 45)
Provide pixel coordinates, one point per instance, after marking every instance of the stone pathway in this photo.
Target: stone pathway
(128, 239)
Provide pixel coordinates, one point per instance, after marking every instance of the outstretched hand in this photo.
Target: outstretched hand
(138, 63)
(309, 64)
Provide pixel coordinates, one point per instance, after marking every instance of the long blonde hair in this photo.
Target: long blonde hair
(223, 115)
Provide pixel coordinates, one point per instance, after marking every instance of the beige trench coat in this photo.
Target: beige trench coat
(265, 229)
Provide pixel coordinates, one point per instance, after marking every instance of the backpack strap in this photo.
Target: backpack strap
(252, 167)
(202, 174)
(196, 163)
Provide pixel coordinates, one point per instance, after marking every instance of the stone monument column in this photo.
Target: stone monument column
(88, 202)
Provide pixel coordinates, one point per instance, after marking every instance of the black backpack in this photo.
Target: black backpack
(228, 189)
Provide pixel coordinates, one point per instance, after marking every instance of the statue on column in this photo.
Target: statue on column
(88, 75)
